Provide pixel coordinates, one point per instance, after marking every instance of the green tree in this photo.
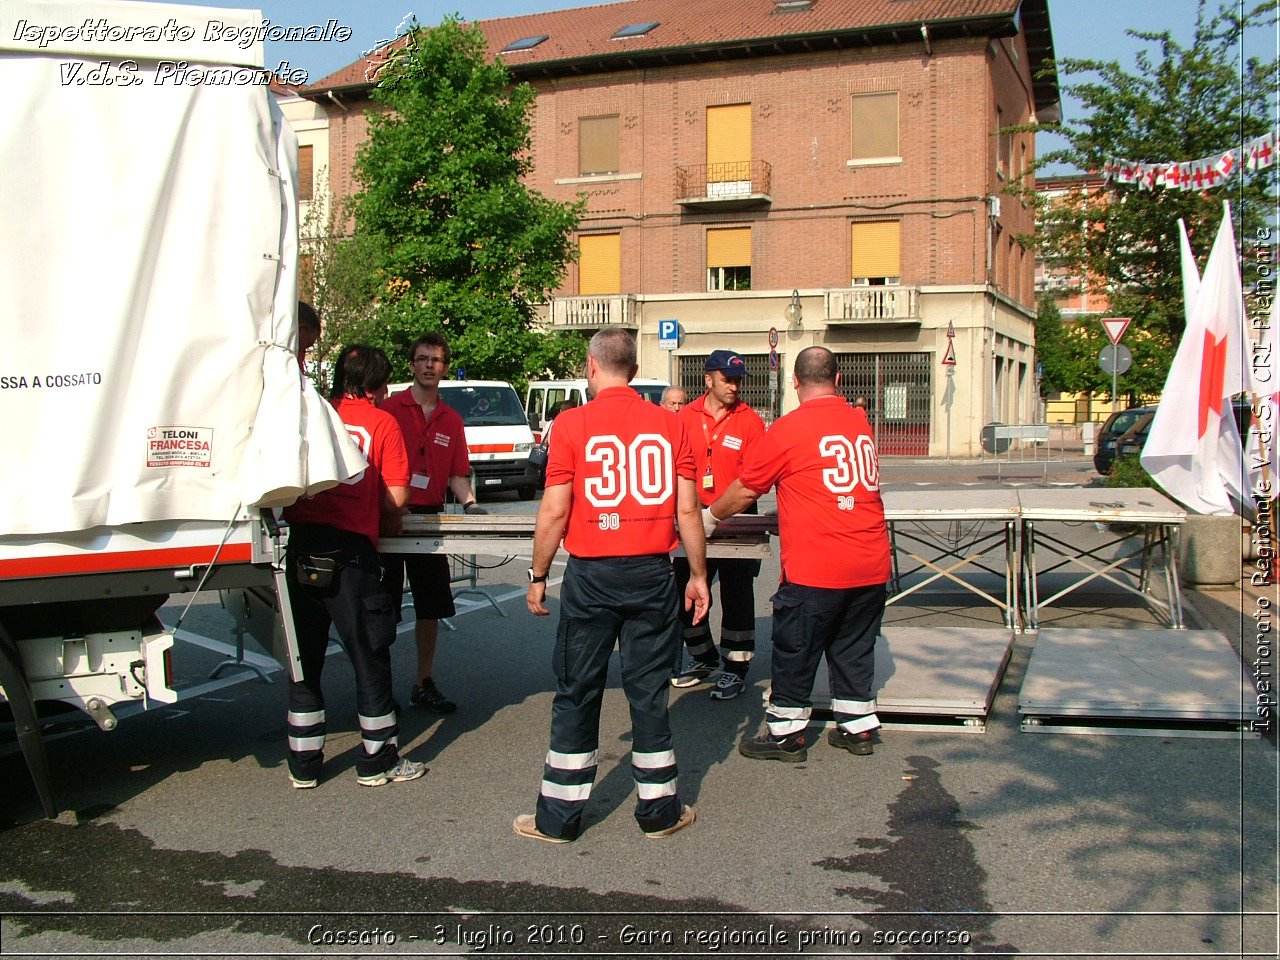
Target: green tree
(464, 247)
(1181, 103)
(334, 276)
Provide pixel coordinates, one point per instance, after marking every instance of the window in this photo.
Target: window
(524, 43)
(729, 148)
(875, 253)
(1004, 146)
(599, 264)
(875, 126)
(306, 172)
(729, 259)
(598, 146)
(634, 30)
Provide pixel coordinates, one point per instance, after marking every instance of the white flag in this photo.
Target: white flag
(1190, 273)
(1194, 450)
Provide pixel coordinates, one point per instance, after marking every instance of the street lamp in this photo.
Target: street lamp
(794, 311)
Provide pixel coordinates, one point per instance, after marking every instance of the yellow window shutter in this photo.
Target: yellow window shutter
(875, 125)
(306, 172)
(598, 146)
(876, 249)
(729, 143)
(729, 248)
(599, 264)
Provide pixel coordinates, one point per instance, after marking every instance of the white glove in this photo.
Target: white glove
(709, 522)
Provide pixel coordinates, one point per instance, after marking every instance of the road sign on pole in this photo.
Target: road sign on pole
(668, 334)
(949, 358)
(1115, 327)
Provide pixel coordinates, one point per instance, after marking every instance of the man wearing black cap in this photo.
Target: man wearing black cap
(721, 429)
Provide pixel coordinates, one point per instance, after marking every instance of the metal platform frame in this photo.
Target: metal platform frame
(914, 516)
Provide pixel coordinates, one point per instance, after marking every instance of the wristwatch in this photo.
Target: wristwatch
(533, 578)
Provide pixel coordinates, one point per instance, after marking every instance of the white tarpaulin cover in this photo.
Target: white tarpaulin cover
(147, 298)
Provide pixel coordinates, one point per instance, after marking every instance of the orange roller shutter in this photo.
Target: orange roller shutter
(876, 249)
(729, 143)
(729, 248)
(599, 264)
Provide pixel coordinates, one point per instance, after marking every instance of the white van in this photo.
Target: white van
(498, 436)
(544, 397)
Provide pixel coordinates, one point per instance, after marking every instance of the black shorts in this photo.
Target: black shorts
(429, 577)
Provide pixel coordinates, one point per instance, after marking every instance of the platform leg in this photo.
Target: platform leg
(26, 721)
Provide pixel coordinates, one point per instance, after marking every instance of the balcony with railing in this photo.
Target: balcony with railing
(592, 313)
(867, 306)
(725, 186)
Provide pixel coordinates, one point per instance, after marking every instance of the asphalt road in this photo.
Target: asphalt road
(182, 837)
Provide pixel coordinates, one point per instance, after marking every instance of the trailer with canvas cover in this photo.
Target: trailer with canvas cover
(155, 413)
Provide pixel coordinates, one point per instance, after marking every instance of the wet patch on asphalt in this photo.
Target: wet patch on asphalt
(930, 869)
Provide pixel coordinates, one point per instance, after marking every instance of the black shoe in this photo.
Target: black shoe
(792, 749)
(858, 744)
(426, 696)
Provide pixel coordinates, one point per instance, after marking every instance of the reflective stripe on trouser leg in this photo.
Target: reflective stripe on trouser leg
(567, 777)
(855, 716)
(797, 651)
(784, 721)
(377, 733)
(851, 659)
(737, 649)
(306, 742)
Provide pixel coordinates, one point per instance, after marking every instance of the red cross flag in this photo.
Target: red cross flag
(1204, 469)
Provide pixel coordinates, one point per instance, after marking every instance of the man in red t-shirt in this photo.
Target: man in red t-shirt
(438, 456)
(335, 578)
(619, 480)
(835, 561)
(722, 429)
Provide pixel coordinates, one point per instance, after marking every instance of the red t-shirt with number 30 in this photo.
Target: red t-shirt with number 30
(622, 454)
(830, 516)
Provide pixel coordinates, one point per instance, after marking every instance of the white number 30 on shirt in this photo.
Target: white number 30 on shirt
(855, 462)
(643, 468)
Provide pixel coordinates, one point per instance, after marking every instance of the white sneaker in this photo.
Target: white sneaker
(401, 772)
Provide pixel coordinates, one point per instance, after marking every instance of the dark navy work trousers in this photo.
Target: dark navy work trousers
(630, 601)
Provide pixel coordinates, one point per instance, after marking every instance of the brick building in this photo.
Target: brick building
(829, 168)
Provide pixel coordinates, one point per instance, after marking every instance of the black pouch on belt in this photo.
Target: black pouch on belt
(316, 570)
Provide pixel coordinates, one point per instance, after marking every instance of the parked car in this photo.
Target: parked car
(1125, 433)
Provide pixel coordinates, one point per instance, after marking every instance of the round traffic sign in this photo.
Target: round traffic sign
(1115, 358)
(773, 359)
(773, 336)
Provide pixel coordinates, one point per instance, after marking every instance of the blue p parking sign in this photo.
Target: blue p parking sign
(668, 334)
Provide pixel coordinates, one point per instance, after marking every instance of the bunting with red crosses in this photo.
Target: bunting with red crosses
(1202, 174)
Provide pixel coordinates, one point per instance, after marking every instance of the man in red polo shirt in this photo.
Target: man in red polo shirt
(722, 429)
(619, 480)
(335, 577)
(438, 456)
(835, 561)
